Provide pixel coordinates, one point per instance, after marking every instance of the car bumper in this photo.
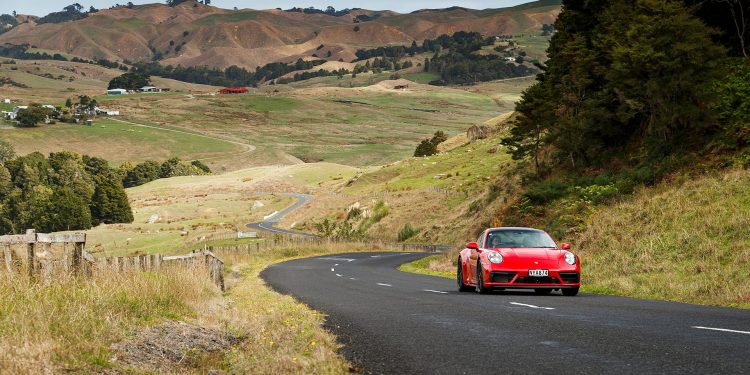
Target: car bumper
(515, 279)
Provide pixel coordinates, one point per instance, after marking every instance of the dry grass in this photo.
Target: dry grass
(80, 325)
(682, 241)
(686, 242)
(68, 325)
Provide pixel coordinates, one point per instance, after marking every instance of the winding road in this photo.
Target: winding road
(269, 223)
(392, 322)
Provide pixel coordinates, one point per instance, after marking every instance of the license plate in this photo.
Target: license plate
(538, 273)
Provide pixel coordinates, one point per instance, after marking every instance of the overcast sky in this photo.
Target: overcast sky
(42, 7)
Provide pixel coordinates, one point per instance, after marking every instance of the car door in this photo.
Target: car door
(473, 258)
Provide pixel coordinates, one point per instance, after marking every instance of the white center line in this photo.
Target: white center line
(434, 291)
(338, 275)
(722, 330)
(351, 278)
(374, 256)
(336, 265)
(532, 306)
(384, 284)
(332, 270)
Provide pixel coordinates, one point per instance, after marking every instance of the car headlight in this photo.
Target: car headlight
(569, 258)
(495, 258)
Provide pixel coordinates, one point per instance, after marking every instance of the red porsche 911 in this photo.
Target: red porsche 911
(518, 258)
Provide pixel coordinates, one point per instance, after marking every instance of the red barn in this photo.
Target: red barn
(234, 90)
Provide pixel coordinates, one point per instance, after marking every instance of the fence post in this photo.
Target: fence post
(8, 258)
(77, 257)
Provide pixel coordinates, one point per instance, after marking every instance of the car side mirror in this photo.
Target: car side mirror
(472, 245)
(565, 246)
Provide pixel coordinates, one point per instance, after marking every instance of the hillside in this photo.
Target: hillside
(193, 34)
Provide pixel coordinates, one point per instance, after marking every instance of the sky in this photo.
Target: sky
(42, 7)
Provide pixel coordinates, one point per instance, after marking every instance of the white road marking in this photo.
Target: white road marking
(722, 330)
(332, 270)
(434, 291)
(532, 306)
(338, 275)
(384, 284)
(336, 265)
(338, 259)
(374, 256)
(351, 278)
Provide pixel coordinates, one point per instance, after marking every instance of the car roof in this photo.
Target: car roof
(515, 228)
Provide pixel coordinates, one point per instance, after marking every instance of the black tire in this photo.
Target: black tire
(480, 280)
(542, 291)
(460, 278)
(570, 292)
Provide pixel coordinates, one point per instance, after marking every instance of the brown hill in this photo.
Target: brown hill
(195, 34)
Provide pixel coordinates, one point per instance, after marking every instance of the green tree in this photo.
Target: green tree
(130, 81)
(68, 211)
(110, 204)
(32, 115)
(426, 148)
(7, 151)
(142, 173)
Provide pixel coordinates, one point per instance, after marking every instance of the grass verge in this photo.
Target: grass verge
(71, 325)
(684, 241)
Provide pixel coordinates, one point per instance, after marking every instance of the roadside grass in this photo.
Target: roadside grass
(686, 240)
(71, 324)
(67, 325)
(431, 265)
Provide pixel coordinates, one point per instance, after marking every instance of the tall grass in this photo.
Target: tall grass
(69, 323)
(681, 241)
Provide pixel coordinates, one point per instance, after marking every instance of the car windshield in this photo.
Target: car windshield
(519, 238)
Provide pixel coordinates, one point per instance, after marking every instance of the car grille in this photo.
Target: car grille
(570, 277)
(502, 277)
(537, 280)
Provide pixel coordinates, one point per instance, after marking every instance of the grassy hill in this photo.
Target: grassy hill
(196, 35)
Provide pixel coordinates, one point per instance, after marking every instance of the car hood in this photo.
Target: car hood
(528, 256)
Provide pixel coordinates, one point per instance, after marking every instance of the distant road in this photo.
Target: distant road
(391, 322)
(269, 223)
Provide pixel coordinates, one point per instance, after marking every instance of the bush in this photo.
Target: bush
(546, 191)
(406, 232)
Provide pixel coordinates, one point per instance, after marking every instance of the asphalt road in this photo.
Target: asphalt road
(269, 223)
(393, 322)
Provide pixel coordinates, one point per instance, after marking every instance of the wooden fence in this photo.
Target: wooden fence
(39, 254)
(43, 255)
(277, 241)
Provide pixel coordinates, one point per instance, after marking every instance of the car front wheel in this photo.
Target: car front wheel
(460, 278)
(480, 280)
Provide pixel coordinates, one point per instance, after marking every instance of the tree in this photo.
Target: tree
(142, 173)
(130, 81)
(425, 148)
(7, 151)
(68, 103)
(32, 116)
(110, 204)
(439, 137)
(68, 211)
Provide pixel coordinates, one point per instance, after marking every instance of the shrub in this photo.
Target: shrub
(406, 232)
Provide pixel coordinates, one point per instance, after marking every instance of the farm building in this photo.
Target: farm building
(234, 90)
(150, 89)
(117, 92)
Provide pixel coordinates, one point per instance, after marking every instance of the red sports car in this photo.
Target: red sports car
(518, 258)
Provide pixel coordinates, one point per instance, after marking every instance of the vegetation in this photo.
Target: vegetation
(331, 11)
(407, 232)
(7, 22)
(21, 52)
(32, 115)
(150, 170)
(130, 81)
(71, 12)
(66, 191)
(454, 59)
(429, 147)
